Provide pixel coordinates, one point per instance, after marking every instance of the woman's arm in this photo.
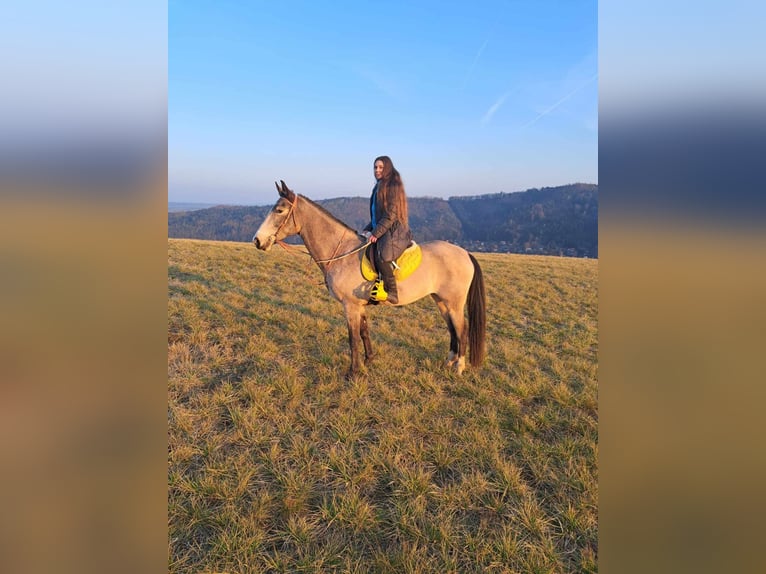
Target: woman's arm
(387, 219)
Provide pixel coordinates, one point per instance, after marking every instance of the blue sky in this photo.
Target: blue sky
(466, 98)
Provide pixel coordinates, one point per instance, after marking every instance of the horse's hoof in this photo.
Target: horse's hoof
(352, 375)
(455, 362)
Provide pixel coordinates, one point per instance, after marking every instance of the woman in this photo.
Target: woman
(388, 229)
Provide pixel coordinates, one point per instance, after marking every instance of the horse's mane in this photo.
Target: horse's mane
(327, 213)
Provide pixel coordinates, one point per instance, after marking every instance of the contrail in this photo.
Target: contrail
(473, 65)
(494, 107)
(561, 101)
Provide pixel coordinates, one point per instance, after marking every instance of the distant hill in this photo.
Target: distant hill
(551, 220)
(548, 221)
(187, 206)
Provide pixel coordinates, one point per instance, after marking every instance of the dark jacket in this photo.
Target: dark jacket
(393, 235)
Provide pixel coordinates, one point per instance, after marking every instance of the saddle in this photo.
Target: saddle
(404, 266)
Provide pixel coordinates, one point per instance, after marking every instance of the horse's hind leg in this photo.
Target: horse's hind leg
(457, 339)
(364, 331)
(461, 329)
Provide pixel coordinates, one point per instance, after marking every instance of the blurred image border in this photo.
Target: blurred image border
(83, 243)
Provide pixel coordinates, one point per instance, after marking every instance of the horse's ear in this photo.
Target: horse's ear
(286, 192)
(279, 191)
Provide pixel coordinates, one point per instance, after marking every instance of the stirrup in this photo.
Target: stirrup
(378, 291)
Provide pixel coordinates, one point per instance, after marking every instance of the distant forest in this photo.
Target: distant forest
(547, 221)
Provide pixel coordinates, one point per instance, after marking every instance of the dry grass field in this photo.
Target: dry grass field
(276, 463)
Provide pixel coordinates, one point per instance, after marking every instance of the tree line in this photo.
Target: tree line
(550, 220)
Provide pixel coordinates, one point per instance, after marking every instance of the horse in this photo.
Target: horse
(448, 273)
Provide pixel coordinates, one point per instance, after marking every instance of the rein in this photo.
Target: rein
(331, 259)
(295, 249)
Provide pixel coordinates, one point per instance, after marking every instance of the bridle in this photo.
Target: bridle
(290, 248)
(289, 213)
(281, 225)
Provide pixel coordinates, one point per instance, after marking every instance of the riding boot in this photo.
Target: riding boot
(389, 282)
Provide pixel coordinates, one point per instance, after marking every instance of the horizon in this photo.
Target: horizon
(466, 100)
(366, 198)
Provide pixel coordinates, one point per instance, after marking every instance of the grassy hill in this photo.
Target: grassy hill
(277, 464)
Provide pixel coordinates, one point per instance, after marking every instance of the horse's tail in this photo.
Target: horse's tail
(477, 315)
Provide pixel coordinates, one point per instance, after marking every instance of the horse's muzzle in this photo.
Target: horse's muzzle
(264, 245)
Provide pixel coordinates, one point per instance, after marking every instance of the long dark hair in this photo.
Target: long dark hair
(391, 189)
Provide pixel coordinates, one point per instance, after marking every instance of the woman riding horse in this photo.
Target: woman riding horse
(388, 229)
(448, 273)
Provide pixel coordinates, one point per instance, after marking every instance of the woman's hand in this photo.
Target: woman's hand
(373, 239)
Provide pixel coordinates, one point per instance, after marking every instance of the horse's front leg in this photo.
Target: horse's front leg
(364, 331)
(353, 321)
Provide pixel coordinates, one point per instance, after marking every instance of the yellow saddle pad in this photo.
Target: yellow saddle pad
(405, 265)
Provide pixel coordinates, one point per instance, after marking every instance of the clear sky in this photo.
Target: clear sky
(465, 97)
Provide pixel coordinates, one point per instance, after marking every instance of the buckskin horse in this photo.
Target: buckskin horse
(448, 273)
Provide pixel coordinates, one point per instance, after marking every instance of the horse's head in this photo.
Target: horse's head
(280, 222)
